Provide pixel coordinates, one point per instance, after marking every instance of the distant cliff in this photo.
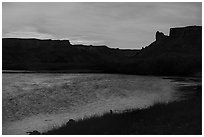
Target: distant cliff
(185, 32)
(59, 55)
(180, 53)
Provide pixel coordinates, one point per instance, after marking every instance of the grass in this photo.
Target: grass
(177, 118)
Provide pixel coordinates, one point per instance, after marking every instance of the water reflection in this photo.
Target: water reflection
(41, 101)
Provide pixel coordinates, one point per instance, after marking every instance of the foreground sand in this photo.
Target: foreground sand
(176, 118)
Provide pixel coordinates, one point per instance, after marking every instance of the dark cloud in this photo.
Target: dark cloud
(124, 25)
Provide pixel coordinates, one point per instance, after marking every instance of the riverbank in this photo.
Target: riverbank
(177, 118)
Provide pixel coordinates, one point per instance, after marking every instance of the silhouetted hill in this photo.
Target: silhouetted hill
(34, 54)
(187, 40)
(180, 53)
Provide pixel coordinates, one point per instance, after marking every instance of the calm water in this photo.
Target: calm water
(43, 101)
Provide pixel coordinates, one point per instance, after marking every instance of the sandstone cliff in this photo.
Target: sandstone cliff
(180, 53)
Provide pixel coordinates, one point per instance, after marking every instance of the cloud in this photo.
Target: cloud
(28, 35)
(86, 42)
(79, 39)
(122, 24)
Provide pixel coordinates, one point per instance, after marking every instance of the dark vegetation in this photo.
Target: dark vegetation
(177, 118)
(180, 53)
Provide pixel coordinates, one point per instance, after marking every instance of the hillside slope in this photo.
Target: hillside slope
(180, 53)
(34, 54)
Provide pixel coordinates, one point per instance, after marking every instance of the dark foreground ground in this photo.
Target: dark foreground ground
(178, 118)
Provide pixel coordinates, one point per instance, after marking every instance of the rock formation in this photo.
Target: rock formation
(185, 32)
(180, 53)
(160, 36)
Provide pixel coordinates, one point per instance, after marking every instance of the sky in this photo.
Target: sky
(125, 25)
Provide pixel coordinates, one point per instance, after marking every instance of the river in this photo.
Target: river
(41, 101)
